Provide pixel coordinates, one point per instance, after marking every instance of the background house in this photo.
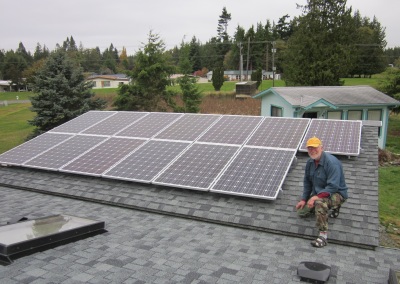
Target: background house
(343, 103)
(234, 75)
(108, 81)
(5, 86)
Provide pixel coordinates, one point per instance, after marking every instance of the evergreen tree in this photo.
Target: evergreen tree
(110, 60)
(150, 78)
(257, 76)
(191, 95)
(223, 43)
(321, 48)
(369, 47)
(194, 54)
(61, 93)
(392, 55)
(40, 52)
(222, 28)
(2, 56)
(185, 64)
(284, 28)
(209, 55)
(91, 60)
(25, 54)
(13, 67)
(218, 78)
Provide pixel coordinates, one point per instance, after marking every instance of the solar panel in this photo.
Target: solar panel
(188, 127)
(255, 172)
(82, 122)
(145, 163)
(150, 125)
(58, 156)
(341, 137)
(115, 123)
(197, 167)
(231, 129)
(279, 132)
(32, 148)
(103, 157)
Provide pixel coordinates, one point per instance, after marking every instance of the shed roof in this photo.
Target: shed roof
(336, 95)
(119, 77)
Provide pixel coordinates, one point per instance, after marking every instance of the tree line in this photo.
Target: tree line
(325, 42)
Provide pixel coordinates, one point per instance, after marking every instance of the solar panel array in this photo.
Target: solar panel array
(231, 154)
(340, 137)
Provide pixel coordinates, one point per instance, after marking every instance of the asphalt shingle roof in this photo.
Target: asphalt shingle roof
(142, 247)
(357, 224)
(340, 95)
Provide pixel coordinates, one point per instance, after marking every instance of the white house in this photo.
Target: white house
(234, 75)
(108, 81)
(341, 102)
(5, 86)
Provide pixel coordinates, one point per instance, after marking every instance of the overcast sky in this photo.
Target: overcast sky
(126, 23)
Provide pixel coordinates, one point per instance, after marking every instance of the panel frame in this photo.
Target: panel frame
(278, 118)
(26, 164)
(31, 141)
(309, 134)
(74, 119)
(107, 174)
(256, 196)
(63, 168)
(182, 154)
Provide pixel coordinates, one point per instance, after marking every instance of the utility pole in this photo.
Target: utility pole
(273, 63)
(241, 61)
(248, 58)
(267, 59)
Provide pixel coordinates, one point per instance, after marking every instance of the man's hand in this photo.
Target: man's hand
(300, 204)
(311, 201)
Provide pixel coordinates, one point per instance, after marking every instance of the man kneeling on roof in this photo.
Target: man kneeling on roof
(324, 189)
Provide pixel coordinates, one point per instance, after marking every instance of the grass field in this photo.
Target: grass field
(14, 127)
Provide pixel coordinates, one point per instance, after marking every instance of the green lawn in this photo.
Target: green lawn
(14, 127)
(393, 135)
(9, 96)
(389, 195)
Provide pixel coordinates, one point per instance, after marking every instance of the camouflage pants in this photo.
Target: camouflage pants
(321, 209)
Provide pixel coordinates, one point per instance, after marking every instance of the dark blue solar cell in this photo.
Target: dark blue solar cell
(231, 129)
(342, 137)
(104, 156)
(144, 164)
(279, 132)
(32, 148)
(255, 172)
(65, 152)
(198, 166)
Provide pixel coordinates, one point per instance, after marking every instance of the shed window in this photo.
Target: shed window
(334, 115)
(276, 111)
(375, 114)
(354, 115)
